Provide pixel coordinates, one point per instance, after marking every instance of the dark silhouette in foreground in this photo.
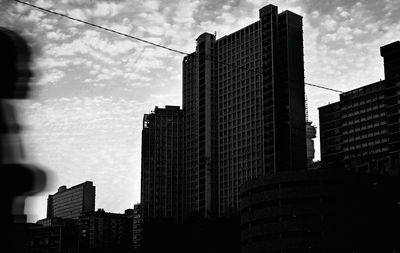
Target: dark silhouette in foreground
(20, 179)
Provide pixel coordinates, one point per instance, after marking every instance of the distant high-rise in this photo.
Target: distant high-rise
(243, 100)
(311, 132)
(71, 203)
(162, 171)
(361, 132)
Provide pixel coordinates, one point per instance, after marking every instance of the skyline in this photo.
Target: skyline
(67, 98)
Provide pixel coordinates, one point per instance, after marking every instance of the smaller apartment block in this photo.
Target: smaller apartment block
(362, 131)
(72, 202)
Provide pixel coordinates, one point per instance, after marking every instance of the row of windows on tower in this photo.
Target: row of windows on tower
(360, 135)
(366, 126)
(239, 72)
(366, 99)
(241, 35)
(249, 134)
(363, 116)
(240, 160)
(251, 54)
(370, 138)
(242, 86)
(364, 151)
(354, 133)
(372, 144)
(366, 110)
(240, 54)
(239, 42)
(368, 90)
(238, 108)
(246, 117)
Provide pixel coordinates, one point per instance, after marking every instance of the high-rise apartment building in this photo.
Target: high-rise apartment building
(243, 116)
(71, 202)
(361, 132)
(162, 171)
(243, 100)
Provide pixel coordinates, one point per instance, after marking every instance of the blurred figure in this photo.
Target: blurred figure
(20, 179)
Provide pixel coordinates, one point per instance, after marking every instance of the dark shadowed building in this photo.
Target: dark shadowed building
(53, 235)
(162, 159)
(92, 232)
(101, 231)
(320, 211)
(137, 227)
(361, 132)
(243, 100)
(243, 117)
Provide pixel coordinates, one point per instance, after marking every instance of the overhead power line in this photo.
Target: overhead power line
(101, 27)
(322, 87)
(148, 42)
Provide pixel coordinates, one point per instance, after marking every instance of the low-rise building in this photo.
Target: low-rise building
(320, 211)
(101, 231)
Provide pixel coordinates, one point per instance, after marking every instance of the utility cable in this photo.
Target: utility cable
(101, 27)
(149, 42)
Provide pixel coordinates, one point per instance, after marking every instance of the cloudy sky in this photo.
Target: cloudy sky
(91, 89)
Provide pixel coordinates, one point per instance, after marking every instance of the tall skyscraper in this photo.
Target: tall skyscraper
(71, 202)
(243, 116)
(361, 131)
(162, 171)
(243, 100)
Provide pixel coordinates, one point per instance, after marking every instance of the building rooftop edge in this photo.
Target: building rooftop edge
(229, 34)
(353, 90)
(72, 187)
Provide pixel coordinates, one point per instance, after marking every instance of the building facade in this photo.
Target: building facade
(101, 231)
(320, 211)
(243, 100)
(137, 227)
(59, 236)
(162, 158)
(243, 116)
(361, 132)
(71, 202)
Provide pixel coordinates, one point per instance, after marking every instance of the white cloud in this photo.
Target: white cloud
(184, 14)
(152, 4)
(51, 77)
(77, 13)
(34, 16)
(329, 24)
(44, 4)
(107, 9)
(57, 35)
